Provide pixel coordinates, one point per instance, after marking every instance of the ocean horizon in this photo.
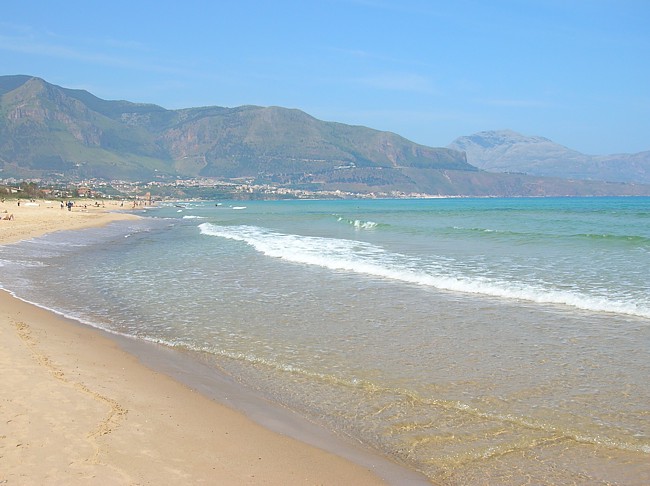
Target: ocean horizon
(471, 340)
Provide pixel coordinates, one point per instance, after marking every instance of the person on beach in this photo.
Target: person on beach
(8, 217)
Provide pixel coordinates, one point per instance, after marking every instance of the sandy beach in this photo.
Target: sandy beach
(34, 218)
(78, 409)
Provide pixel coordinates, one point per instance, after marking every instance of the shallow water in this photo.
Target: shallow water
(491, 340)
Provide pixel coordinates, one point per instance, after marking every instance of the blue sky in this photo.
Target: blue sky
(575, 71)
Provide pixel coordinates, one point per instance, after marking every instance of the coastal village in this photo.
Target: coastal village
(178, 189)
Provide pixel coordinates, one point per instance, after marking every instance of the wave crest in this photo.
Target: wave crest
(365, 258)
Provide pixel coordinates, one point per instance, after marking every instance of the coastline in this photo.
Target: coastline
(32, 219)
(79, 404)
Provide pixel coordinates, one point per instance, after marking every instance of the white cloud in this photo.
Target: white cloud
(54, 47)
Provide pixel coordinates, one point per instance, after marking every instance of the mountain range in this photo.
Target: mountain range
(47, 131)
(508, 151)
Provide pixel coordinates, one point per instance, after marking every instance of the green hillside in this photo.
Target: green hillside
(46, 128)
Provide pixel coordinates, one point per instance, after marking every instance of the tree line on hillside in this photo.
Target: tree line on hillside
(24, 190)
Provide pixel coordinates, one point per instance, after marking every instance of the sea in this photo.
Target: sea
(477, 341)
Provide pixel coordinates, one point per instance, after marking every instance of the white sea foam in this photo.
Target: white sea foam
(358, 224)
(364, 258)
(364, 224)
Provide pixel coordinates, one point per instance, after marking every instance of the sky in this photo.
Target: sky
(574, 71)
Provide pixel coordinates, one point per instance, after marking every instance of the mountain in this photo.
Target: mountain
(45, 128)
(47, 131)
(508, 151)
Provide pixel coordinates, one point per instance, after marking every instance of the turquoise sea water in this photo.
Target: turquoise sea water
(498, 341)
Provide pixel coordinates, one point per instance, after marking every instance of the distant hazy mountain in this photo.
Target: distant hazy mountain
(508, 151)
(47, 130)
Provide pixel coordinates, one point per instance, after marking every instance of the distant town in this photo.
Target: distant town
(179, 189)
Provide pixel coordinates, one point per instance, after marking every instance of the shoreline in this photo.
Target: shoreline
(82, 403)
(32, 219)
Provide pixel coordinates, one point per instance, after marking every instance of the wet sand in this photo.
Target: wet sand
(77, 407)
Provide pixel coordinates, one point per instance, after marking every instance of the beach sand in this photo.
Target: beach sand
(77, 408)
(37, 218)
